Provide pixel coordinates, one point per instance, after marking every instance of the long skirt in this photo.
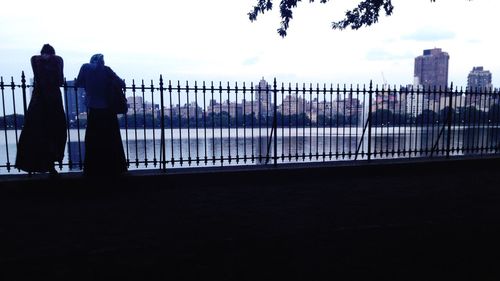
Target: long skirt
(104, 155)
(43, 137)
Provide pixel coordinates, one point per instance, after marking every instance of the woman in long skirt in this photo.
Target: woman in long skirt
(43, 137)
(104, 155)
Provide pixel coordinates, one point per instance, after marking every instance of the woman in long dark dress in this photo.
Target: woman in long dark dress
(43, 137)
(104, 155)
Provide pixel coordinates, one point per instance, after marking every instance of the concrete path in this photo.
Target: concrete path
(390, 221)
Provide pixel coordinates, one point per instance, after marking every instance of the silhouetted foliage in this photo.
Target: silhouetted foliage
(427, 117)
(382, 117)
(494, 113)
(365, 14)
(12, 121)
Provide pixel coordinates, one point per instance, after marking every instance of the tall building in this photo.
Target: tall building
(479, 79)
(76, 100)
(431, 69)
(263, 97)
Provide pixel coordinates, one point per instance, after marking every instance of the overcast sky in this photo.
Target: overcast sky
(214, 40)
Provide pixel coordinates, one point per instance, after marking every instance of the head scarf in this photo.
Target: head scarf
(97, 59)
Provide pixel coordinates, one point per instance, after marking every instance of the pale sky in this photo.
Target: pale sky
(214, 40)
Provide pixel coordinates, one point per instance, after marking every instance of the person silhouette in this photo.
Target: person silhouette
(43, 136)
(104, 154)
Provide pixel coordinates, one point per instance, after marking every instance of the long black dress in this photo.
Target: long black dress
(43, 137)
(104, 154)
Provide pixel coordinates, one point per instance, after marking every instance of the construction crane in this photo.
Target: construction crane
(385, 81)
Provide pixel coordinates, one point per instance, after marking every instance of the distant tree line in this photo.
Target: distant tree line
(380, 117)
(464, 115)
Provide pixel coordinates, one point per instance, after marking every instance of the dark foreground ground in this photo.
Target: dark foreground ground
(392, 221)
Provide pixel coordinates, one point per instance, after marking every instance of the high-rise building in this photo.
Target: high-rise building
(431, 69)
(479, 79)
(76, 100)
(262, 96)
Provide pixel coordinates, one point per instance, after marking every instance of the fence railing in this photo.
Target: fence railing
(170, 124)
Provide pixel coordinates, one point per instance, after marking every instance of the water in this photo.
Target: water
(224, 147)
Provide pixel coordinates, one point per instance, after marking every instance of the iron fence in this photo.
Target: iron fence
(170, 124)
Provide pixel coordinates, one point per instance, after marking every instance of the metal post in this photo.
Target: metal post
(162, 125)
(449, 117)
(370, 96)
(275, 124)
(23, 87)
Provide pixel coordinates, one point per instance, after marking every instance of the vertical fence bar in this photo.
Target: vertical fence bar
(421, 150)
(449, 119)
(370, 102)
(80, 159)
(172, 160)
(220, 124)
(162, 126)
(455, 112)
(482, 105)
(252, 121)
(310, 120)
(275, 123)
(297, 121)
(496, 115)
(356, 119)
(376, 122)
(304, 122)
(135, 123)
(196, 116)
(268, 139)
(317, 121)
(282, 115)
(330, 154)
(13, 87)
(244, 102)
(236, 125)
(229, 122)
(153, 123)
(364, 113)
(344, 118)
(324, 122)
(400, 122)
(474, 115)
(65, 94)
(338, 123)
(261, 116)
(486, 122)
(205, 112)
(349, 107)
(460, 137)
(23, 88)
(179, 123)
(5, 126)
(393, 152)
(406, 120)
(143, 92)
(188, 111)
(491, 111)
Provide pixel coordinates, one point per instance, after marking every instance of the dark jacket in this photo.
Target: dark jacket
(96, 80)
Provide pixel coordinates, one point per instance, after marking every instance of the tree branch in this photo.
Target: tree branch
(365, 14)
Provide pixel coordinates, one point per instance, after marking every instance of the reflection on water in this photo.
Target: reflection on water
(216, 147)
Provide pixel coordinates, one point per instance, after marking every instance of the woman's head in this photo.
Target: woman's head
(97, 59)
(47, 50)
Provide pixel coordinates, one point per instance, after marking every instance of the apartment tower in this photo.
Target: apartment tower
(431, 69)
(479, 79)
